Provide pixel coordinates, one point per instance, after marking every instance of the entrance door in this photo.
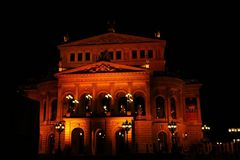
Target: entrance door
(51, 141)
(100, 142)
(162, 142)
(120, 141)
(77, 141)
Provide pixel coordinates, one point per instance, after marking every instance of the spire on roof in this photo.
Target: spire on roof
(66, 38)
(157, 34)
(111, 26)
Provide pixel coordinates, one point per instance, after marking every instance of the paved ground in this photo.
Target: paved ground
(146, 157)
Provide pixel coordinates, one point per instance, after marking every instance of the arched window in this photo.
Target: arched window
(104, 104)
(54, 110)
(87, 102)
(139, 105)
(173, 107)
(69, 104)
(122, 105)
(160, 107)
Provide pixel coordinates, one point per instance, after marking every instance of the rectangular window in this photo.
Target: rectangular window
(119, 55)
(142, 54)
(110, 55)
(44, 110)
(87, 58)
(72, 57)
(79, 56)
(134, 54)
(150, 53)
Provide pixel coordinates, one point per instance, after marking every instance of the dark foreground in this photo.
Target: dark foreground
(146, 157)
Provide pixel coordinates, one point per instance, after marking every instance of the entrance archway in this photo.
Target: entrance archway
(51, 141)
(162, 142)
(77, 141)
(120, 141)
(100, 142)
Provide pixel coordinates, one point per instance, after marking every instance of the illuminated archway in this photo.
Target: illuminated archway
(139, 104)
(69, 107)
(120, 141)
(51, 142)
(104, 103)
(100, 141)
(162, 142)
(77, 141)
(85, 104)
(121, 103)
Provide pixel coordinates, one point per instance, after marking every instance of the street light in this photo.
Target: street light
(235, 134)
(59, 127)
(205, 129)
(127, 126)
(172, 128)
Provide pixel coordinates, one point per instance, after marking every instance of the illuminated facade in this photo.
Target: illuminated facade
(106, 80)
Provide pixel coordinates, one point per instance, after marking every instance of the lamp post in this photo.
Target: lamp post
(235, 132)
(127, 126)
(172, 128)
(205, 130)
(59, 127)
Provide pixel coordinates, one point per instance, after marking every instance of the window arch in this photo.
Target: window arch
(173, 107)
(54, 110)
(69, 104)
(104, 103)
(160, 107)
(121, 102)
(85, 103)
(139, 104)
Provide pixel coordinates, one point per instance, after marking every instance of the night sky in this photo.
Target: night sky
(202, 43)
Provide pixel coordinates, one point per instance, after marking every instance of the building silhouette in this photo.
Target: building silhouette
(106, 80)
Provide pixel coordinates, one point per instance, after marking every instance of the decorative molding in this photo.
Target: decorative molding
(111, 38)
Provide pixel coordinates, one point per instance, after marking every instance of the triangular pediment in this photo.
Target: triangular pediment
(102, 67)
(110, 38)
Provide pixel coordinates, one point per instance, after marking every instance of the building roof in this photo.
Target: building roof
(110, 38)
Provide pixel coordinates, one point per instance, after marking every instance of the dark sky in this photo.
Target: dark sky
(202, 43)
